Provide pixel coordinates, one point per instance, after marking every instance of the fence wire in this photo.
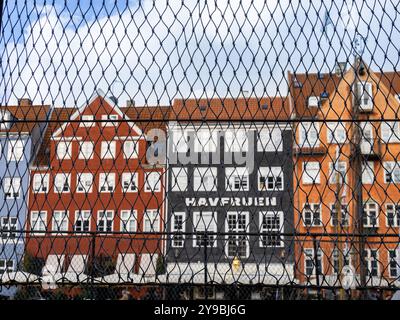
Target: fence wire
(199, 149)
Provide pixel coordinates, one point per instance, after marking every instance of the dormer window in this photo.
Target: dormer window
(313, 102)
(5, 117)
(324, 95)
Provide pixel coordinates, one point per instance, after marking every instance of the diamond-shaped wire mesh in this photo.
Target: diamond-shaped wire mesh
(199, 149)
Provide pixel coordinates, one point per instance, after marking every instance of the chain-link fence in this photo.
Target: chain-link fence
(199, 149)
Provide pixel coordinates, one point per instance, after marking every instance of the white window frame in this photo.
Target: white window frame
(41, 183)
(307, 178)
(236, 229)
(5, 266)
(85, 215)
(271, 175)
(8, 227)
(337, 169)
(129, 182)
(394, 209)
(265, 231)
(64, 150)
(87, 121)
(310, 256)
(313, 101)
(180, 141)
(236, 140)
(105, 221)
(370, 259)
(15, 150)
(82, 180)
(365, 94)
(314, 208)
(390, 131)
(126, 219)
(108, 150)
(345, 215)
(336, 133)
(108, 120)
(212, 227)
(391, 170)
(39, 224)
(84, 154)
(235, 175)
(107, 182)
(368, 172)
(390, 260)
(270, 140)
(155, 185)
(60, 219)
(367, 214)
(306, 130)
(200, 173)
(178, 239)
(131, 149)
(151, 220)
(179, 179)
(66, 178)
(12, 188)
(205, 140)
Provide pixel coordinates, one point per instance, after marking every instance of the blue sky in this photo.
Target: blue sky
(58, 52)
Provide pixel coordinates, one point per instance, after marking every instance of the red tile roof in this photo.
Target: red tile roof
(26, 116)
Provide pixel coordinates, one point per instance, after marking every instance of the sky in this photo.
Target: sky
(59, 52)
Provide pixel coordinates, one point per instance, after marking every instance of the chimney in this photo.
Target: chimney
(24, 102)
(340, 68)
(130, 103)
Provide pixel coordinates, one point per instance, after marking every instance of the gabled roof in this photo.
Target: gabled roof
(230, 109)
(24, 118)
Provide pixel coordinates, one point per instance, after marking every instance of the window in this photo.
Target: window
(313, 101)
(364, 90)
(236, 140)
(271, 224)
(82, 221)
(371, 258)
(311, 172)
(40, 183)
(12, 188)
(8, 227)
(15, 150)
(370, 215)
(111, 118)
(128, 221)
(5, 118)
(62, 182)
(367, 138)
(309, 135)
(64, 150)
(153, 182)
(87, 121)
(237, 179)
(107, 182)
(60, 221)
(105, 219)
(6, 265)
(390, 131)
(204, 222)
(151, 221)
(344, 215)
(368, 175)
(391, 172)
(179, 179)
(180, 141)
(270, 178)
(38, 222)
(337, 172)
(310, 264)
(269, 140)
(312, 215)
(336, 133)
(345, 259)
(131, 149)
(205, 140)
(177, 227)
(129, 182)
(237, 245)
(108, 149)
(393, 264)
(205, 179)
(86, 150)
(84, 182)
(392, 215)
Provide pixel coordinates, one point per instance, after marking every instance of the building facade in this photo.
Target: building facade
(345, 175)
(21, 130)
(94, 194)
(230, 191)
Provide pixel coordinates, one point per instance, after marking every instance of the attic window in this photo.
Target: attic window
(111, 118)
(202, 107)
(313, 102)
(264, 106)
(4, 119)
(297, 83)
(324, 95)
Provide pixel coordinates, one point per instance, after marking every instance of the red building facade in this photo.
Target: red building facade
(93, 192)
